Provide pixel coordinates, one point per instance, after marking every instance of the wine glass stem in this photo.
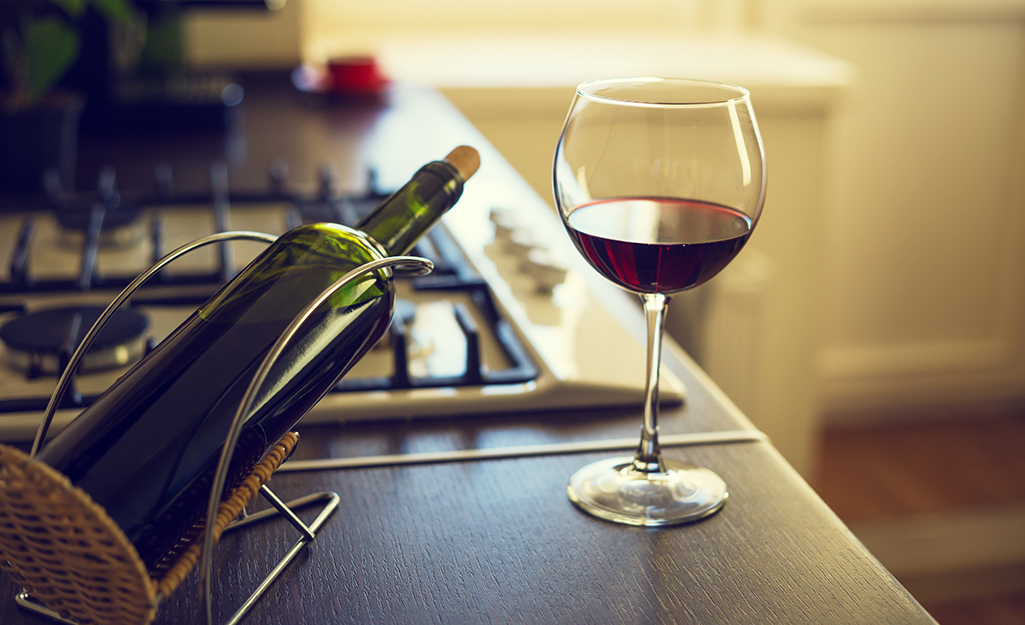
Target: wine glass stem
(648, 458)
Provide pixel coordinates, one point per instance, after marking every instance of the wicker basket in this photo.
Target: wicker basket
(72, 558)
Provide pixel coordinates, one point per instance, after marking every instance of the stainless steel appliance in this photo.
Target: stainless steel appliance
(503, 324)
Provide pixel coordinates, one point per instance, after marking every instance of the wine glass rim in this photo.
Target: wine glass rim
(592, 90)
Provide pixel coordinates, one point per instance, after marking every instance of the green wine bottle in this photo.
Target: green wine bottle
(147, 449)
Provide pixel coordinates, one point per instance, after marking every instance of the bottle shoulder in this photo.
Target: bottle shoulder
(295, 269)
(312, 242)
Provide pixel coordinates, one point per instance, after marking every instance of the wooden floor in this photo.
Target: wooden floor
(999, 610)
(874, 474)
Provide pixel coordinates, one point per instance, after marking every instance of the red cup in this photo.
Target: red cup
(355, 74)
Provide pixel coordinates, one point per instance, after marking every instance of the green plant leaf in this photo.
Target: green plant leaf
(114, 10)
(50, 47)
(74, 8)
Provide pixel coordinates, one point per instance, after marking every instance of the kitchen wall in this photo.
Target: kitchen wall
(235, 38)
(922, 198)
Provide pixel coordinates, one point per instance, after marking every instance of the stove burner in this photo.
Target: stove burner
(104, 218)
(41, 342)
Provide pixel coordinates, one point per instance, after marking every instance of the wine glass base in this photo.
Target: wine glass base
(612, 489)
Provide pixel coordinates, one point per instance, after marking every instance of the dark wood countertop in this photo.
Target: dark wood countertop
(496, 540)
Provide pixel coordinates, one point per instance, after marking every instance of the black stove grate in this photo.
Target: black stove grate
(452, 273)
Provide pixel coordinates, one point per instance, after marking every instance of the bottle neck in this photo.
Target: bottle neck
(407, 214)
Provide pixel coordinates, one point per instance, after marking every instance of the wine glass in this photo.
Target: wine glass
(659, 183)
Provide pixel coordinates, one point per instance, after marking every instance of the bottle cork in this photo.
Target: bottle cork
(465, 159)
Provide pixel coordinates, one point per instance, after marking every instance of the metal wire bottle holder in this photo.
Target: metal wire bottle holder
(409, 264)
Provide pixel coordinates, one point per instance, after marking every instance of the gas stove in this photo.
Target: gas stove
(504, 323)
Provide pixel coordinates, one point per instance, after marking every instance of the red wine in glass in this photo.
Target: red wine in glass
(657, 245)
